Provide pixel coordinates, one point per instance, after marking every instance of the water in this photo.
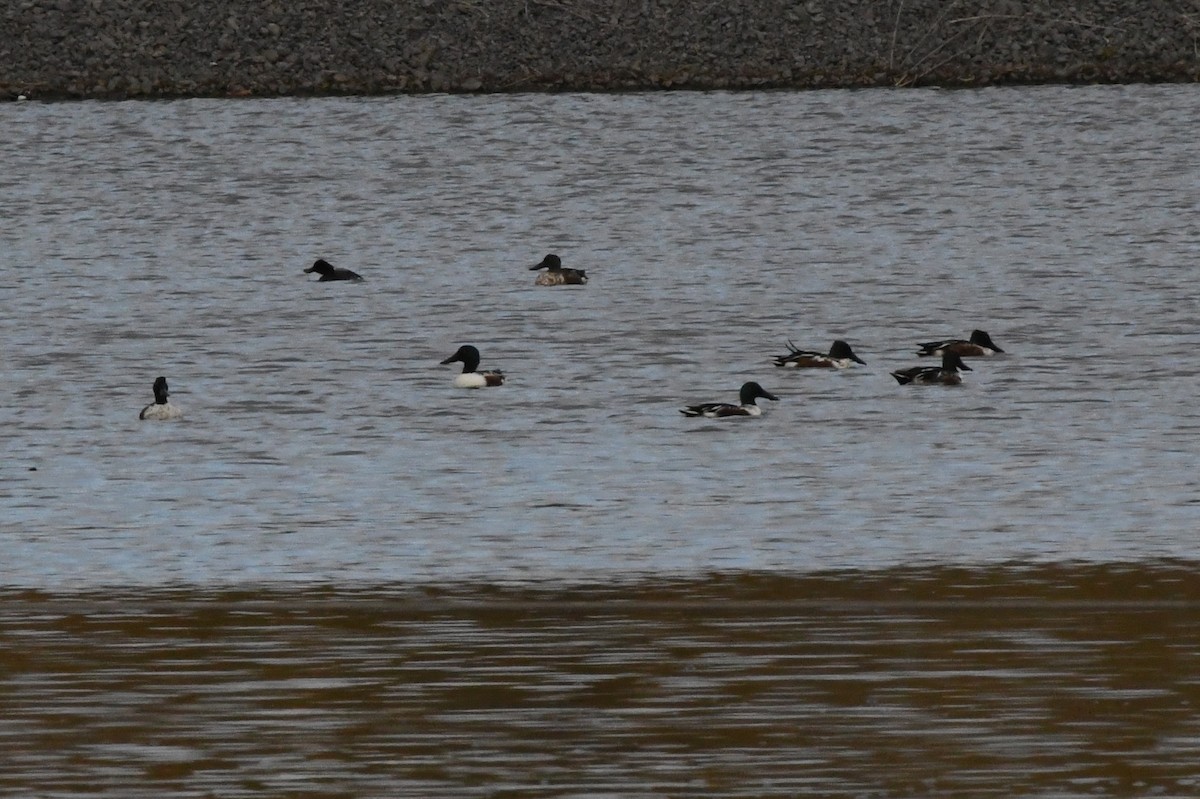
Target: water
(1038, 682)
(327, 476)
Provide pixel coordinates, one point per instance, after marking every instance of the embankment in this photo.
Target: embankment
(172, 48)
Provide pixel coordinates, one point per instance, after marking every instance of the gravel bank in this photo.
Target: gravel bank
(171, 48)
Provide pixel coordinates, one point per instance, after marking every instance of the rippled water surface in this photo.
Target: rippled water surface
(339, 575)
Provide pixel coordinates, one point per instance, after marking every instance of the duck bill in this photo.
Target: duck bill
(451, 359)
(770, 396)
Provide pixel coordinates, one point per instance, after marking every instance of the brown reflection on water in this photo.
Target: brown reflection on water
(1063, 681)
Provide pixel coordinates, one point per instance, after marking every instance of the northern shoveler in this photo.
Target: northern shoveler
(328, 271)
(980, 343)
(944, 375)
(839, 357)
(716, 410)
(470, 378)
(161, 409)
(556, 274)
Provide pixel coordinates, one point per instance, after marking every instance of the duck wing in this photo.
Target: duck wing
(713, 410)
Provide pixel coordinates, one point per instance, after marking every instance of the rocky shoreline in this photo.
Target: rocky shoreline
(62, 49)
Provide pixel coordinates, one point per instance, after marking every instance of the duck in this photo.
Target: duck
(470, 378)
(717, 410)
(161, 409)
(556, 275)
(945, 375)
(328, 271)
(980, 343)
(840, 356)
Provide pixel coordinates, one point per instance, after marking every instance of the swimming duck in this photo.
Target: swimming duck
(839, 357)
(944, 375)
(980, 343)
(716, 410)
(161, 408)
(470, 378)
(328, 271)
(556, 275)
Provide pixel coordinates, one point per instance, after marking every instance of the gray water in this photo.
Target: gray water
(323, 442)
(324, 448)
